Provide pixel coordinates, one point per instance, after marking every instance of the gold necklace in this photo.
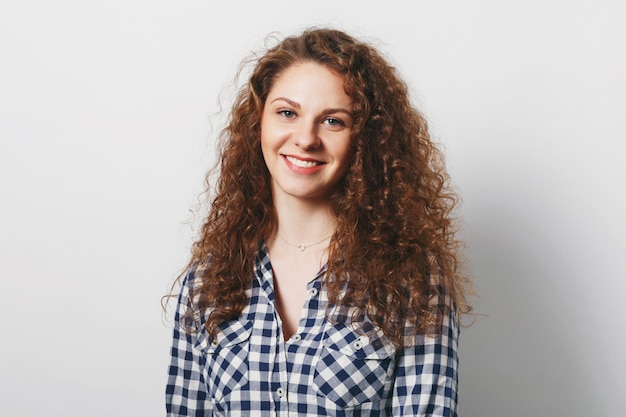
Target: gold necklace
(301, 247)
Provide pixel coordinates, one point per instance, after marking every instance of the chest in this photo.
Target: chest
(292, 292)
(329, 366)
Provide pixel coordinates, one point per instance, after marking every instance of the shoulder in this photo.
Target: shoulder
(188, 311)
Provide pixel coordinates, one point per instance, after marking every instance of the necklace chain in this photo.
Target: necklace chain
(301, 247)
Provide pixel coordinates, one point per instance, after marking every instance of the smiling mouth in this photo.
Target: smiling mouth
(301, 163)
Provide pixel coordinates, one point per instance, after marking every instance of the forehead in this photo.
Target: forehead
(309, 79)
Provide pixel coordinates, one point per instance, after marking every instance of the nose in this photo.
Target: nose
(307, 137)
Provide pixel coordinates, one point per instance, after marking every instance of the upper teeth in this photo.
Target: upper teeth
(300, 162)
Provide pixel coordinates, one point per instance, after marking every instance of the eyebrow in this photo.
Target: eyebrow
(297, 106)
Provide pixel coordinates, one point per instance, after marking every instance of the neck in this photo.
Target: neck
(303, 223)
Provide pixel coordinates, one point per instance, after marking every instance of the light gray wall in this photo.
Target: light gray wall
(105, 136)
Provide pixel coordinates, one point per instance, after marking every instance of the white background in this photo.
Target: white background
(106, 132)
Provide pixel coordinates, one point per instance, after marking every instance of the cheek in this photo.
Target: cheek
(269, 150)
(265, 151)
(266, 140)
(272, 134)
(264, 129)
(344, 152)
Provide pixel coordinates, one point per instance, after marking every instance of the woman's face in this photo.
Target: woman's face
(305, 132)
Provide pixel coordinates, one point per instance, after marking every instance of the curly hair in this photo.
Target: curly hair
(394, 254)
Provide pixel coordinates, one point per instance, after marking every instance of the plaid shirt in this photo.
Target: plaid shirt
(323, 369)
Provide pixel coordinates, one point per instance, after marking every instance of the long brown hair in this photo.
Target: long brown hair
(394, 255)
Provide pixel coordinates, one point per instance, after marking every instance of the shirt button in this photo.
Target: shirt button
(296, 338)
(281, 392)
(314, 292)
(358, 344)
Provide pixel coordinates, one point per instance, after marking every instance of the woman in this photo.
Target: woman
(325, 280)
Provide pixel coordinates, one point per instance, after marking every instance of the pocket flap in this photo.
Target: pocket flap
(229, 334)
(359, 344)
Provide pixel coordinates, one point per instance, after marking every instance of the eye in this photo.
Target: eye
(288, 114)
(332, 121)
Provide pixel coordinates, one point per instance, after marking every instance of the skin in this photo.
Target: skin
(305, 139)
(305, 132)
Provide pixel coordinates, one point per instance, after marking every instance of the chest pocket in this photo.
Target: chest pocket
(226, 358)
(354, 368)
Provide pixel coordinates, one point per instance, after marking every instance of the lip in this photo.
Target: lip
(313, 165)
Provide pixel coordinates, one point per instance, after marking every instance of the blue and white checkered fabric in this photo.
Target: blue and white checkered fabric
(323, 370)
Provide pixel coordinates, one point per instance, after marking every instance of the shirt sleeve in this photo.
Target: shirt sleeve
(186, 393)
(427, 375)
